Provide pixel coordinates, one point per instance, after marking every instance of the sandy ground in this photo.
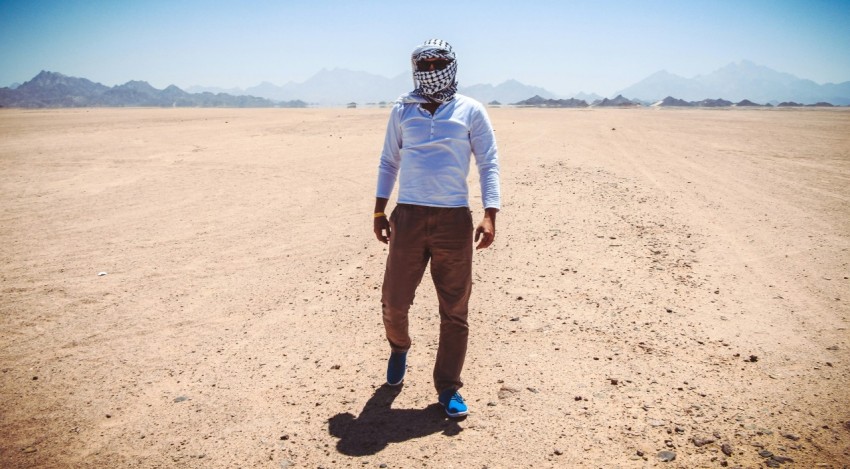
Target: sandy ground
(662, 280)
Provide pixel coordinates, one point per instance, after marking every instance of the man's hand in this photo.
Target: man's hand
(382, 225)
(486, 230)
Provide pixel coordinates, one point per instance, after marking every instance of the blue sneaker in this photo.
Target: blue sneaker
(396, 367)
(453, 402)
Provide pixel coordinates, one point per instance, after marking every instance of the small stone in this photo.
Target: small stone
(181, 399)
(791, 436)
(507, 391)
(640, 453)
(702, 441)
(772, 463)
(669, 310)
(109, 416)
(534, 390)
(727, 449)
(558, 452)
(614, 381)
(781, 459)
(578, 398)
(765, 453)
(656, 423)
(284, 437)
(679, 430)
(491, 404)
(29, 449)
(666, 456)
(382, 466)
(519, 298)
(35, 378)
(335, 367)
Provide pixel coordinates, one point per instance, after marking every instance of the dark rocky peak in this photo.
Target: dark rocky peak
(619, 101)
(671, 101)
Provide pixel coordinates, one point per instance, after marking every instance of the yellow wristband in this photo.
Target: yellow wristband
(380, 214)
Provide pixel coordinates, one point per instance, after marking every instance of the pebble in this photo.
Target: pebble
(29, 449)
(702, 441)
(727, 449)
(791, 436)
(558, 452)
(666, 456)
(765, 453)
(507, 391)
(181, 399)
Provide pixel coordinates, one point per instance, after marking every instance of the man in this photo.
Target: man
(431, 136)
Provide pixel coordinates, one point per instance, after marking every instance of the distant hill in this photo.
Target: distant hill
(670, 101)
(619, 101)
(538, 101)
(50, 89)
(588, 97)
(739, 81)
(506, 92)
(338, 87)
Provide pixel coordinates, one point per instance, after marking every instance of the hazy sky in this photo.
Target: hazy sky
(564, 46)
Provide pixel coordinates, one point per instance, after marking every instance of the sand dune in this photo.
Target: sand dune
(661, 280)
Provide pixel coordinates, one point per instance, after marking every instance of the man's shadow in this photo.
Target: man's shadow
(378, 425)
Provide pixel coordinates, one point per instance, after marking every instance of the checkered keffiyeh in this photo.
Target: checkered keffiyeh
(437, 85)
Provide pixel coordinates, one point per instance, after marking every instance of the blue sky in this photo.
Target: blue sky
(564, 46)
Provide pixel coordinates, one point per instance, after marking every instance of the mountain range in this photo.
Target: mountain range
(339, 86)
(50, 89)
(734, 82)
(739, 81)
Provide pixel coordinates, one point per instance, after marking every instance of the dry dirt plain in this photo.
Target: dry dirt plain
(662, 280)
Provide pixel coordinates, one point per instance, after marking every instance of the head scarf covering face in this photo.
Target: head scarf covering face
(435, 85)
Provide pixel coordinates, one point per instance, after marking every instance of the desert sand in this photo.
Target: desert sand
(201, 288)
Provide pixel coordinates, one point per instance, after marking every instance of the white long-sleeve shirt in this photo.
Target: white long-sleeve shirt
(430, 155)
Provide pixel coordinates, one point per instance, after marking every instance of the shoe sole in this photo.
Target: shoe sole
(396, 384)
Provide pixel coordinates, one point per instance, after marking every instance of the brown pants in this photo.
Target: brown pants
(443, 236)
